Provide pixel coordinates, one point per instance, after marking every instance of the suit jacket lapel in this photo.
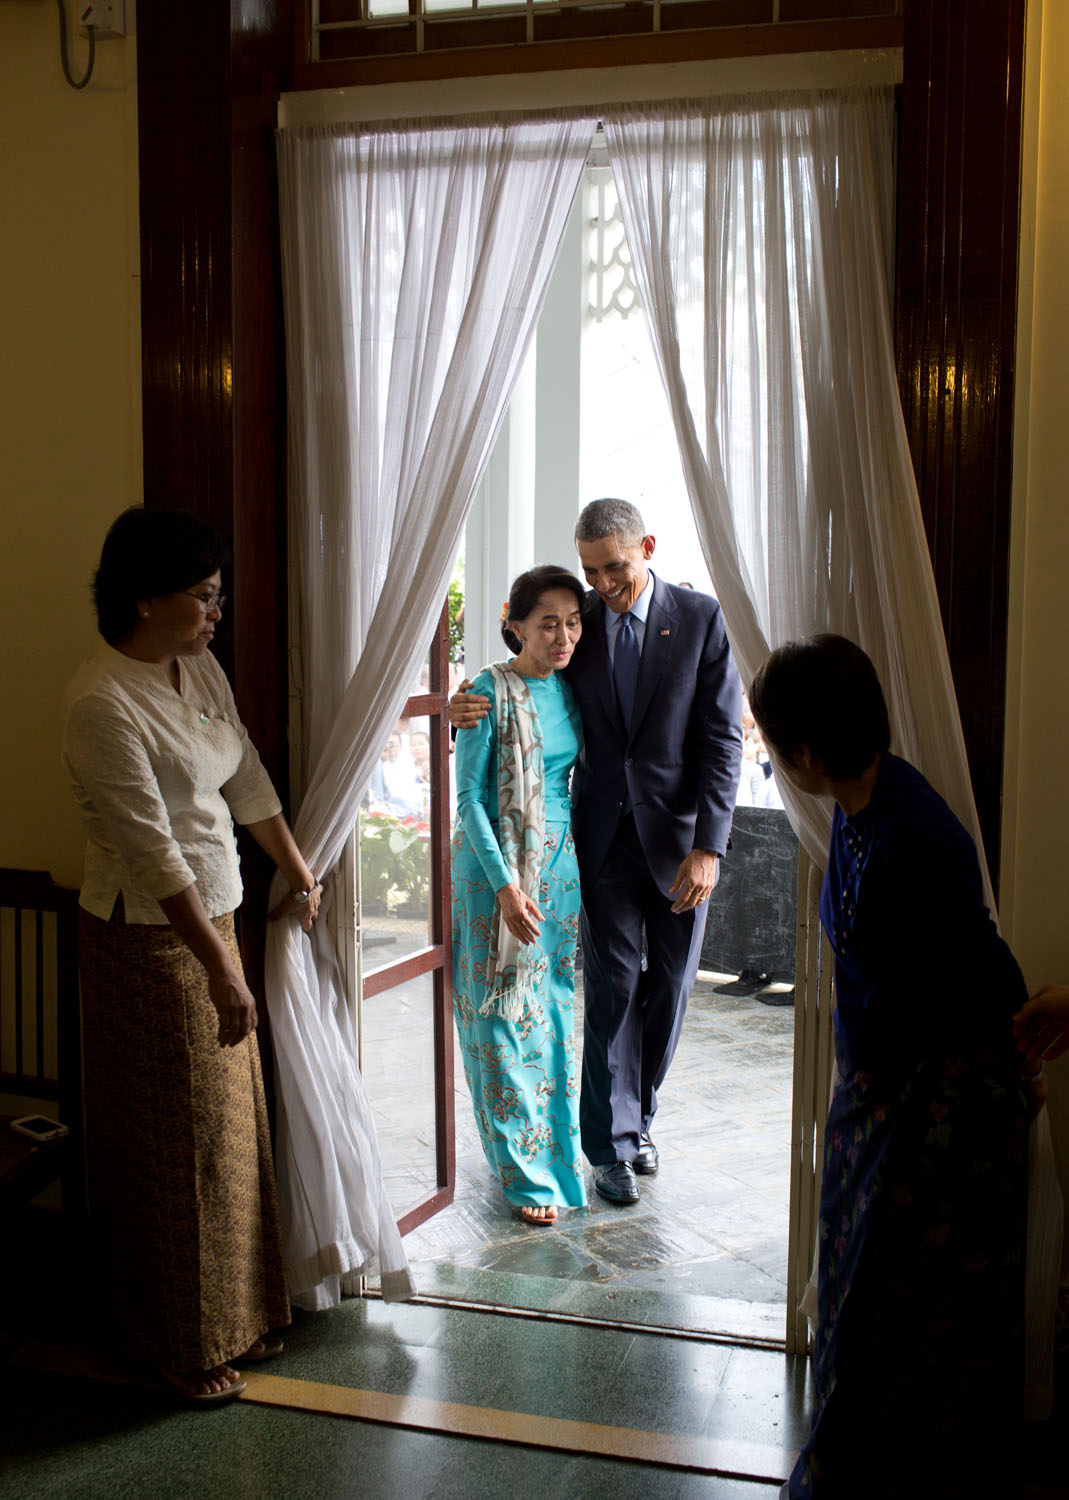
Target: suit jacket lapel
(657, 647)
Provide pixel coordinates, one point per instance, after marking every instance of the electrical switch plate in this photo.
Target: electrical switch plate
(107, 17)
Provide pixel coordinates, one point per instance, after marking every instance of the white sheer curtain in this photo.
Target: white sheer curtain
(760, 231)
(415, 262)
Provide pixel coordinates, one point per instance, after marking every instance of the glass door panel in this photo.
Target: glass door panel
(399, 1077)
(395, 887)
(405, 1019)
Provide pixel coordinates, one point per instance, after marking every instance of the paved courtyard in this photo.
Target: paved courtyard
(711, 1225)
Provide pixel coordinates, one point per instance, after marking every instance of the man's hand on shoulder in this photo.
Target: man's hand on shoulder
(467, 708)
(695, 879)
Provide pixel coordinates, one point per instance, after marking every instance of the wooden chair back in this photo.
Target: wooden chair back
(40, 1035)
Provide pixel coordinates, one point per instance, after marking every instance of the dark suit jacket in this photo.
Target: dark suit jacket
(680, 762)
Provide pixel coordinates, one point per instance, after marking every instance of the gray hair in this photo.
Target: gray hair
(618, 518)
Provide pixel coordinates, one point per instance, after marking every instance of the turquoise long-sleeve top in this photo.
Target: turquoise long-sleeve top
(475, 761)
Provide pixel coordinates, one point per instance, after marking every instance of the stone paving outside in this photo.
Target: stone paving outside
(711, 1224)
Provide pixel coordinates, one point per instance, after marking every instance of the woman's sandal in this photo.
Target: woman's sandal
(185, 1383)
(266, 1348)
(543, 1215)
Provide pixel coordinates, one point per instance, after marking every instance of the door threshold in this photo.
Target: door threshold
(751, 1325)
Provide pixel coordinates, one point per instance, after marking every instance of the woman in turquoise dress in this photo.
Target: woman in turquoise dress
(516, 903)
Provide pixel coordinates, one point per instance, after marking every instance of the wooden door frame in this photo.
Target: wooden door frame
(213, 375)
(957, 254)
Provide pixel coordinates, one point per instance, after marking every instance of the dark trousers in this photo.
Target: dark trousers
(633, 1016)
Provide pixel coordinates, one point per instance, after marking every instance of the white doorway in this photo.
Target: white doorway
(589, 417)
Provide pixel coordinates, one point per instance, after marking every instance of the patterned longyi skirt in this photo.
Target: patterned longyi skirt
(919, 1353)
(181, 1180)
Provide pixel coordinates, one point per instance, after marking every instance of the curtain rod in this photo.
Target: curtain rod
(581, 86)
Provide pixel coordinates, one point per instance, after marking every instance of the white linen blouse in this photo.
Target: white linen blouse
(160, 776)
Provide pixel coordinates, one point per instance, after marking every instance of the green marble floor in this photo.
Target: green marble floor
(735, 1416)
(104, 1429)
(109, 1447)
(488, 1399)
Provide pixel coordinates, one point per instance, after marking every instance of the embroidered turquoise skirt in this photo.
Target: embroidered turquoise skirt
(522, 1074)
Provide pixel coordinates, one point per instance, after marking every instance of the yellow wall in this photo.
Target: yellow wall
(1035, 875)
(69, 393)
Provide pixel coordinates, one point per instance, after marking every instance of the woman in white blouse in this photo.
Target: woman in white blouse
(181, 1179)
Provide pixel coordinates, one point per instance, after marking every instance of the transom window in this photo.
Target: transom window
(354, 29)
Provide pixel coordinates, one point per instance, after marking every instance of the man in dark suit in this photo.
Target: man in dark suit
(652, 798)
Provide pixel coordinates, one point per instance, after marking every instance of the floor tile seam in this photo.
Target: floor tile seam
(733, 1459)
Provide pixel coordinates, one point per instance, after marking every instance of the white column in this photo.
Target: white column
(499, 535)
(556, 498)
(524, 511)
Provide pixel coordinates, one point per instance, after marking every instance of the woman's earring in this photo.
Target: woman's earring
(145, 613)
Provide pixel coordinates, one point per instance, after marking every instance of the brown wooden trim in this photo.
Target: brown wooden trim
(441, 746)
(187, 355)
(442, 923)
(212, 347)
(426, 705)
(840, 10)
(430, 1206)
(605, 52)
(955, 325)
(387, 976)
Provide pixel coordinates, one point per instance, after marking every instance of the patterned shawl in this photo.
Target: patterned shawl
(515, 970)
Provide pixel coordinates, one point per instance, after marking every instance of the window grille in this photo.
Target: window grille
(611, 289)
(353, 29)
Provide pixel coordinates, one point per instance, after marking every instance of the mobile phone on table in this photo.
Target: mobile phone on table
(39, 1127)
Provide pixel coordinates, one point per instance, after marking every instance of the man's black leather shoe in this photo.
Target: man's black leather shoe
(616, 1182)
(648, 1160)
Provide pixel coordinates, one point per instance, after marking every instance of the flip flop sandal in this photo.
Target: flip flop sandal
(266, 1348)
(538, 1223)
(203, 1398)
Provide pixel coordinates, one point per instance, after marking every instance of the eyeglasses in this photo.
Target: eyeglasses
(207, 602)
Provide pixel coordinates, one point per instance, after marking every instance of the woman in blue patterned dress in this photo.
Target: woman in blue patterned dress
(918, 1353)
(516, 903)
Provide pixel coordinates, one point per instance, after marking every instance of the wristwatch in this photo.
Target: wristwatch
(302, 898)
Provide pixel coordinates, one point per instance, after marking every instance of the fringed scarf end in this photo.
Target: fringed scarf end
(509, 1001)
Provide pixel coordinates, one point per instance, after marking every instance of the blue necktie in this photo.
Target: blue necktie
(625, 668)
